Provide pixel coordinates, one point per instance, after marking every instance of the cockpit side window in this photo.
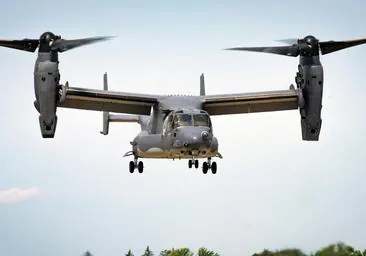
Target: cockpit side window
(201, 120)
(169, 123)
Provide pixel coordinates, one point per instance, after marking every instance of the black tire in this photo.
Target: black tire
(190, 163)
(196, 163)
(132, 167)
(140, 167)
(214, 167)
(204, 167)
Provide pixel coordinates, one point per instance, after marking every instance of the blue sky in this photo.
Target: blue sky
(272, 189)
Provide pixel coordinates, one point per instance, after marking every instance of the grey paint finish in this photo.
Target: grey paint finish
(310, 80)
(46, 84)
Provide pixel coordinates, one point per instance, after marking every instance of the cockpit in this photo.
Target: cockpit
(185, 118)
(191, 119)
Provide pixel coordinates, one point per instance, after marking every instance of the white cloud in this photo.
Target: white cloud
(15, 195)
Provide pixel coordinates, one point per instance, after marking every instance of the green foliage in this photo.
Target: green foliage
(129, 253)
(338, 249)
(165, 253)
(177, 252)
(205, 252)
(284, 252)
(148, 252)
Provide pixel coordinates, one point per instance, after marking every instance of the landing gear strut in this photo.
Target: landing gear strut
(136, 165)
(192, 162)
(208, 165)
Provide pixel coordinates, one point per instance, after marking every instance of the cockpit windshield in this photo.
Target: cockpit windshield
(185, 119)
(201, 120)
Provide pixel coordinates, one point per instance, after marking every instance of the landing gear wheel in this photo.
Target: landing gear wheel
(196, 163)
(140, 167)
(190, 163)
(132, 166)
(204, 167)
(214, 167)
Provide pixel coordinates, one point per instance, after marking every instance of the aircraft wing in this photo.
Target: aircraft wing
(109, 101)
(226, 104)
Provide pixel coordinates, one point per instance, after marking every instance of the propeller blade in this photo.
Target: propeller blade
(332, 46)
(289, 41)
(292, 51)
(63, 45)
(29, 45)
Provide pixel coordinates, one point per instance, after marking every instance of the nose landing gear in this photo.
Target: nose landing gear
(208, 165)
(192, 162)
(134, 164)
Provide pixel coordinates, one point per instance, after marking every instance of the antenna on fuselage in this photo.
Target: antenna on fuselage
(202, 85)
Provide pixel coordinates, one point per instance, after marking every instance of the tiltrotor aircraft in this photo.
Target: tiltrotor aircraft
(177, 127)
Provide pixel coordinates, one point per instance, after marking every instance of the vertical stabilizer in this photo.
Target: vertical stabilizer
(105, 82)
(105, 114)
(202, 85)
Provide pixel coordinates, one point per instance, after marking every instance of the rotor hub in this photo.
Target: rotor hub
(47, 37)
(46, 40)
(309, 46)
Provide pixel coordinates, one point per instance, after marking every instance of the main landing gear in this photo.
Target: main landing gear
(134, 164)
(208, 165)
(192, 162)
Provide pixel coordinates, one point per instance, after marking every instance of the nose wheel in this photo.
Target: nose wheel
(192, 162)
(209, 166)
(139, 165)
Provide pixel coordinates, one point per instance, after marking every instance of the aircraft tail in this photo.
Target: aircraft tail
(107, 118)
(202, 85)
(105, 114)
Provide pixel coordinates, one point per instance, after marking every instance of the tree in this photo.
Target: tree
(205, 252)
(129, 253)
(165, 253)
(148, 252)
(338, 249)
(284, 252)
(177, 252)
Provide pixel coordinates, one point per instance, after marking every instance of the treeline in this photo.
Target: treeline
(338, 249)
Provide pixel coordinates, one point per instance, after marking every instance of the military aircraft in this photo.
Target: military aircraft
(177, 127)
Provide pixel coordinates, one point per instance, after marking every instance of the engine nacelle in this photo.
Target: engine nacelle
(310, 80)
(46, 85)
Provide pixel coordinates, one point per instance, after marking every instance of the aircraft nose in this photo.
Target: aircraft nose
(192, 141)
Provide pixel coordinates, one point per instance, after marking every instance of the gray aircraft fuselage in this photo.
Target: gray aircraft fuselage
(177, 128)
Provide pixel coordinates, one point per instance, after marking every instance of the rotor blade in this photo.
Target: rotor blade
(292, 51)
(289, 41)
(332, 46)
(29, 45)
(62, 45)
